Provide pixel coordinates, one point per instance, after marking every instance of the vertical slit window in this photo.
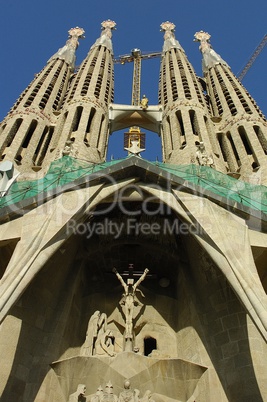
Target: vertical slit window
(29, 134)
(180, 121)
(227, 152)
(234, 148)
(243, 136)
(170, 132)
(47, 137)
(40, 143)
(261, 138)
(89, 123)
(223, 150)
(194, 126)
(100, 134)
(13, 131)
(77, 118)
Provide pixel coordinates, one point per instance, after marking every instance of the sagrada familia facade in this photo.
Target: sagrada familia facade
(132, 280)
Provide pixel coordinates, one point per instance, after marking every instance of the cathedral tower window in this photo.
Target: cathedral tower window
(43, 145)
(29, 134)
(89, 124)
(262, 139)
(181, 125)
(13, 131)
(77, 118)
(235, 153)
(244, 139)
(228, 150)
(193, 120)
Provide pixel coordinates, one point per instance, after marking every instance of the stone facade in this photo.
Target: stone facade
(132, 283)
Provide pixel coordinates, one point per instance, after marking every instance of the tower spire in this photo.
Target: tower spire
(169, 38)
(185, 122)
(106, 35)
(210, 57)
(28, 130)
(67, 52)
(239, 125)
(84, 121)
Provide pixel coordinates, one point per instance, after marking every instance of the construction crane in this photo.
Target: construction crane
(136, 56)
(257, 51)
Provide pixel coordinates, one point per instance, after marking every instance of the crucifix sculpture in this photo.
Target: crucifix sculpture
(129, 301)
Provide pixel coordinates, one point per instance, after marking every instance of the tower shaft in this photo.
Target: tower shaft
(185, 122)
(240, 128)
(28, 128)
(84, 118)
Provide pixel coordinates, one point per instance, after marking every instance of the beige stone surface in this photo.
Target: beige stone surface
(202, 327)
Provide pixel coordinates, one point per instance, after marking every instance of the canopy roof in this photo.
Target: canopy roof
(67, 173)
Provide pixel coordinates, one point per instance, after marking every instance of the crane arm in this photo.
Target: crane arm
(136, 56)
(253, 57)
(128, 58)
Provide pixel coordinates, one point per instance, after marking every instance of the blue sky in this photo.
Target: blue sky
(33, 30)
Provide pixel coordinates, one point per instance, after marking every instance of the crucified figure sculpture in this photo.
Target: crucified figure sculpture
(129, 300)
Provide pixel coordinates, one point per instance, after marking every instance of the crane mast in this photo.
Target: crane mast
(136, 77)
(134, 133)
(136, 56)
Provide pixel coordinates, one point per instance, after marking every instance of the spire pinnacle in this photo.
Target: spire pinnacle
(210, 57)
(169, 37)
(67, 52)
(106, 35)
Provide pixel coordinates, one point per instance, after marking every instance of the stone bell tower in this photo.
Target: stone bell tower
(29, 128)
(83, 123)
(240, 128)
(186, 112)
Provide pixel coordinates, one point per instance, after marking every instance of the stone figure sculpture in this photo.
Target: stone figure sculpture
(129, 395)
(105, 343)
(67, 149)
(147, 397)
(144, 102)
(129, 300)
(79, 395)
(202, 157)
(108, 394)
(98, 397)
(97, 326)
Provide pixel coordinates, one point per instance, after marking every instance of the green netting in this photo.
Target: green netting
(250, 195)
(61, 172)
(67, 169)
